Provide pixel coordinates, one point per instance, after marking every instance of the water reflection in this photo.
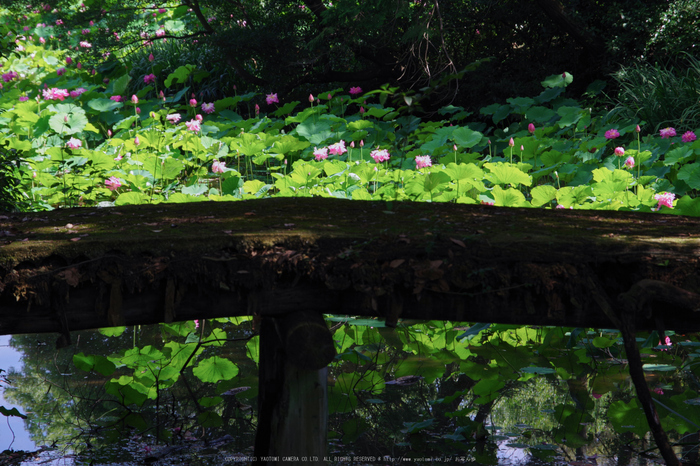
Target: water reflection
(499, 395)
(12, 432)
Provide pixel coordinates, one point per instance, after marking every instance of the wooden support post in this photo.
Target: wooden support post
(292, 400)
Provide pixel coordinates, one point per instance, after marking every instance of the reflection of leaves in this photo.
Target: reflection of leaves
(538, 370)
(94, 362)
(11, 412)
(112, 331)
(210, 419)
(415, 427)
(125, 389)
(353, 428)
(215, 369)
(627, 417)
(659, 367)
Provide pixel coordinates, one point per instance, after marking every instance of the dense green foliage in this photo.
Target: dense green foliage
(660, 95)
(301, 46)
(431, 388)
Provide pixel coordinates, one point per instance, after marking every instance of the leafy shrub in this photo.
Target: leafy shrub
(215, 83)
(677, 30)
(660, 95)
(11, 197)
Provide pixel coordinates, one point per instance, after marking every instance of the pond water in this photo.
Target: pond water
(454, 393)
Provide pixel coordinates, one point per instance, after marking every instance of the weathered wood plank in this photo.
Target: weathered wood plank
(84, 268)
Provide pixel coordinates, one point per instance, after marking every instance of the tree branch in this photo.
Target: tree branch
(194, 4)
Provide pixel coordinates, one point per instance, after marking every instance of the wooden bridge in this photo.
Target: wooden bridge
(289, 260)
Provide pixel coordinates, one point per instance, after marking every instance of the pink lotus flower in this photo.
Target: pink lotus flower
(612, 134)
(116, 98)
(113, 183)
(74, 143)
(337, 149)
(134, 99)
(55, 94)
(193, 102)
(151, 57)
(531, 128)
(667, 133)
(199, 117)
(61, 71)
(321, 154)
(629, 163)
(218, 167)
(423, 161)
(380, 155)
(658, 391)
(173, 118)
(193, 125)
(271, 99)
(149, 78)
(69, 60)
(23, 98)
(85, 44)
(208, 108)
(7, 77)
(76, 92)
(355, 90)
(665, 199)
(257, 109)
(619, 151)
(688, 136)
(311, 97)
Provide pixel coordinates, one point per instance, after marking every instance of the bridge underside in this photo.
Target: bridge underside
(85, 268)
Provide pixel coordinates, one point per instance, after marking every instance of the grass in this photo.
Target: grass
(660, 95)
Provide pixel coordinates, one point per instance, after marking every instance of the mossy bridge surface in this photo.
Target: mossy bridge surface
(290, 260)
(73, 269)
